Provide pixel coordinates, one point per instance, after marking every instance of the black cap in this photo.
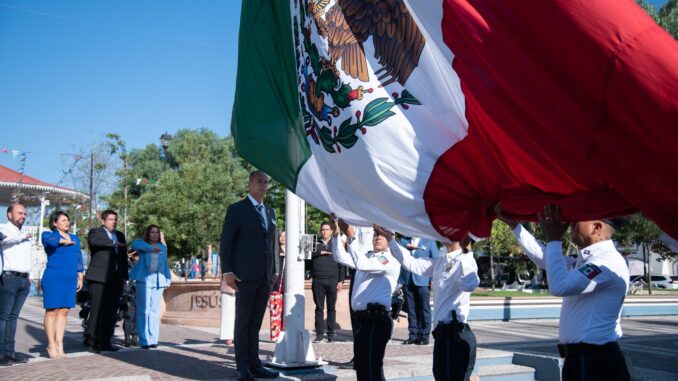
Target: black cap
(616, 223)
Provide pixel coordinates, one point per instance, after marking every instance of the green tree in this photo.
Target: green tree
(188, 196)
(666, 16)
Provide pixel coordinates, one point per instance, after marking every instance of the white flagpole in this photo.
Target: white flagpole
(294, 349)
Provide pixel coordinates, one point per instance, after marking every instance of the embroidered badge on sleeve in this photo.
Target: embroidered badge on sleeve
(382, 259)
(590, 270)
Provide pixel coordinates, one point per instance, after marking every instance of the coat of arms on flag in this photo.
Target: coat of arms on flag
(590, 270)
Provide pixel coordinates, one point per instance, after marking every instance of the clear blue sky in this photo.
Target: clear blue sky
(72, 71)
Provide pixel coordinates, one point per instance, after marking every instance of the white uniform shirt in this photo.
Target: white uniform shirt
(16, 249)
(454, 275)
(376, 274)
(593, 287)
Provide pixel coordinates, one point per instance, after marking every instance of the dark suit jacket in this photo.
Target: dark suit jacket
(103, 256)
(245, 248)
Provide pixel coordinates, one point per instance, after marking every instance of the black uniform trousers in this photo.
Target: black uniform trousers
(104, 301)
(372, 333)
(454, 351)
(588, 362)
(250, 306)
(325, 288)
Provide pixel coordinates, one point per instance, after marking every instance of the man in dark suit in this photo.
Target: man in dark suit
(249, 263)
(105, 277)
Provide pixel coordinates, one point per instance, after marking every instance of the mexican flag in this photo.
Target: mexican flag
(422, 115)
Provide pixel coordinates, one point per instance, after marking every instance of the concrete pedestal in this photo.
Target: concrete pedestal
(193, 303)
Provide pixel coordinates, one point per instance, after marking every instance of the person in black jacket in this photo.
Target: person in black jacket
(249, 262)
(106, 276)
(328, 278)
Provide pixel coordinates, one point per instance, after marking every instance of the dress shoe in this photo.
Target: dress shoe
(154, 346)
(109, 348)
(244, 376)
(422, 342)
(318, 339)
(146, 347)
(264, 373)
(347, 365)
(94, 349)
(410, 341)
(330, 338)
(6, 361)
(18, 359)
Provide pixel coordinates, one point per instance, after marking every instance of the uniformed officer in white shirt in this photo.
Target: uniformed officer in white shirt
(14, 280)
(375, 280)
(593, 287)
(455, 275)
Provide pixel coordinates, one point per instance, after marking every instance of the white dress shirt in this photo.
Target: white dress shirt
(593, 287)
(593, 292)
(454, 275)
(263, 209)
(16, 249)
(376, 274)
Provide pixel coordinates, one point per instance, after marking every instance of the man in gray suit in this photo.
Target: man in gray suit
(249, 265)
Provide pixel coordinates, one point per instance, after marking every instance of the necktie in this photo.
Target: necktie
(262, 220)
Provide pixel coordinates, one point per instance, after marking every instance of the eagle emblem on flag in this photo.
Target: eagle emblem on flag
(335, 75)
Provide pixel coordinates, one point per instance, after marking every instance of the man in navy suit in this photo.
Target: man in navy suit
(249, 265)
(417, 291)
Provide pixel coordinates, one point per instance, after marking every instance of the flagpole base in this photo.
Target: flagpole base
(294, 351)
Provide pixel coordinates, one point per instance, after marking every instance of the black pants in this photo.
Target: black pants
(250, 306)
(604, 365)
(104, 300)
(418, 311)
(350, 308)
(325, 288)
(372, 332)
(454, 352)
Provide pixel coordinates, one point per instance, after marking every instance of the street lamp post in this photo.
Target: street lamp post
(165, 140)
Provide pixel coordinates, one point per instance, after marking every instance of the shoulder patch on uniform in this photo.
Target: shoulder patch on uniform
(382, 259)
(590, 270)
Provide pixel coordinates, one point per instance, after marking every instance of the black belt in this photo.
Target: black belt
(373, 311)
(453, 324)
(583, 349)
(16, 273)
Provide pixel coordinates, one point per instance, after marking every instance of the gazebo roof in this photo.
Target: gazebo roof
(15, 186)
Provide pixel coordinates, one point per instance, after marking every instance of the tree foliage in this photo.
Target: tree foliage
(187, 196)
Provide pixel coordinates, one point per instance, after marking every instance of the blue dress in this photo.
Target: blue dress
(60, 279)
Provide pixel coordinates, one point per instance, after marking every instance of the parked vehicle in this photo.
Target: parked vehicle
(663, 282)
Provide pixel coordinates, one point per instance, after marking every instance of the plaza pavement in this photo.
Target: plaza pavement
(190, 353)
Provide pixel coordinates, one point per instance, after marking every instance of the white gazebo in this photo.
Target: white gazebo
(32, 192)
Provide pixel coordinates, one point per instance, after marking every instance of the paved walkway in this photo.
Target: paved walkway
(196, 354)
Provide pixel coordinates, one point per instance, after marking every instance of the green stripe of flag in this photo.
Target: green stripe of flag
(267, 123)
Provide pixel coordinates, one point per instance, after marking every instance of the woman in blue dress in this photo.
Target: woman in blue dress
(61, 280)
(152, 276)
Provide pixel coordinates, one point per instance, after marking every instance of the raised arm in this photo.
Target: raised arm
(12, 237)
(50, 239)
(141, 245)
(340, 254)
(420, 266)
(469, 280)
(533, 249)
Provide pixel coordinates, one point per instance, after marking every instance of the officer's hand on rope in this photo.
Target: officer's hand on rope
(554, 228)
